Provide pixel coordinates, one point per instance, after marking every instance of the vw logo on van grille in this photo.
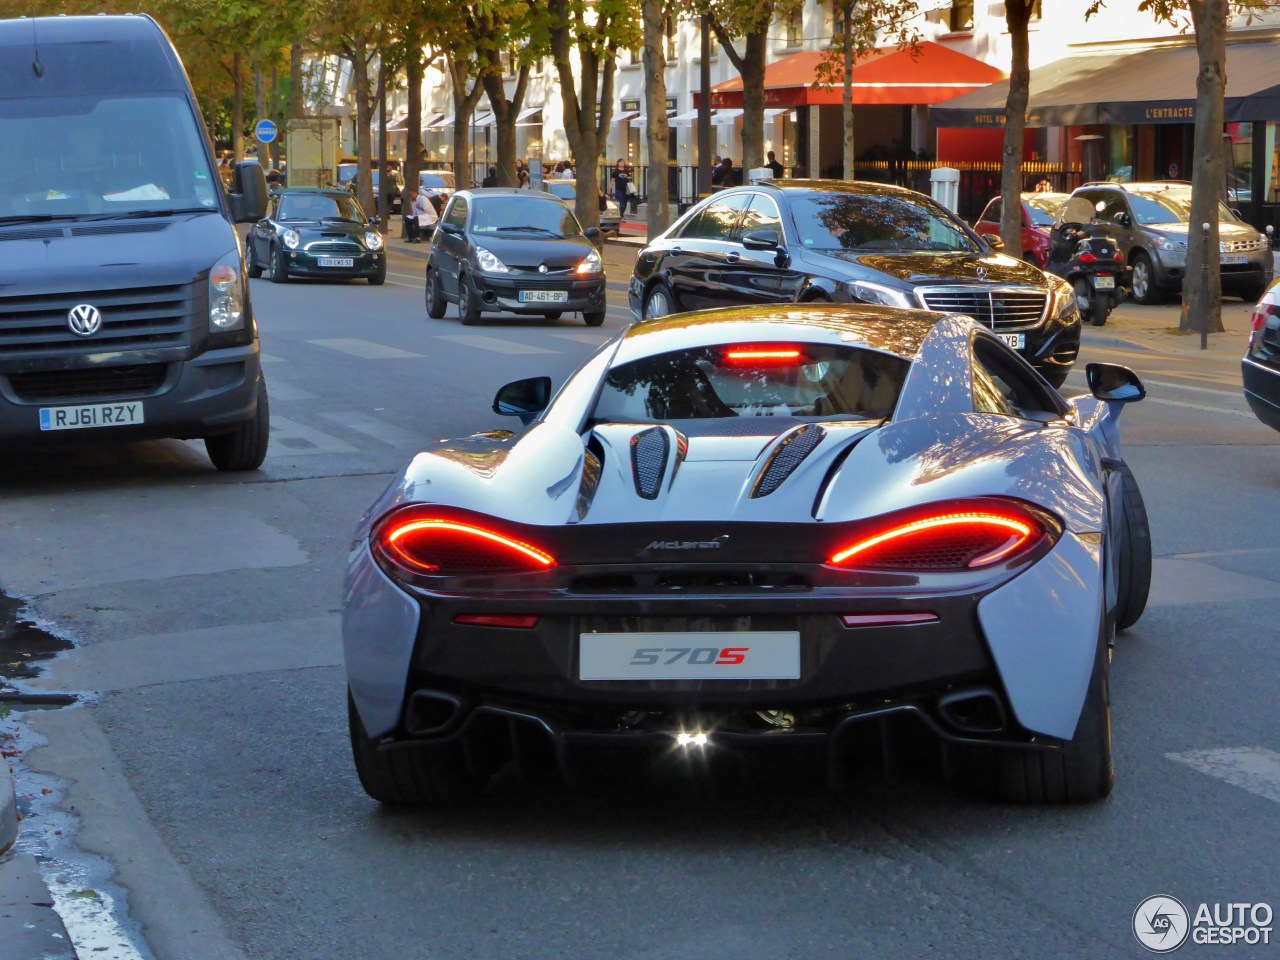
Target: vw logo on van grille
(84, 319)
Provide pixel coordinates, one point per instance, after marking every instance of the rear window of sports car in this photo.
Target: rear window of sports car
(803, 381)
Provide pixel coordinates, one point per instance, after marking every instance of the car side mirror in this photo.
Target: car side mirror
(1113, 383)
(523, 398)
(994, 241)
(451, 228)
(591, 232)
(1122, 219)
(374, 221)
(761, 240)
(248, 194)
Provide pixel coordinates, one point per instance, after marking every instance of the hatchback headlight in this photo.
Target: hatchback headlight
(591, 263)
(373, 239)
(226, 294)
(869, 292)
(488, 262)
(291, 238)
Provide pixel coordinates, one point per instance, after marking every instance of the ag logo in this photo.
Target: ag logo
(84, 319)
(1161, 924)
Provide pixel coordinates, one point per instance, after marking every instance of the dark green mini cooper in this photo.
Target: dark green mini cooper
(316, 233)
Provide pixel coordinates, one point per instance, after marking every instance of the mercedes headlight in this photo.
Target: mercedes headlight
(226, 294)
(591, 264)
(373, 239)
(869, 292)
(291, 238)
(1062, 300)
(488, 262)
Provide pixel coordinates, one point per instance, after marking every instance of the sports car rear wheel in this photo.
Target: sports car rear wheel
(1080, 771)
(411, 774)
(1135, 554)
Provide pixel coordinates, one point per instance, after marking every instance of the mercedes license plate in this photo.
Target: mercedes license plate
(1016, 340)
(544, 296)
(91, 415)
(1104, 282)
(719, 655)
(1234, 258)
(336, 262)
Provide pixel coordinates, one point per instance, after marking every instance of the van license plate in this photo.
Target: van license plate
(1016, 340)
(336, 262)
(91, 415)
(544, 296)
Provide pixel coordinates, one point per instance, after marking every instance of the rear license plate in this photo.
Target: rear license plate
(544, 296)
(1016, 340)
(1234, 258)
(727, 655)
(91, 415)
(336, 262)
(1104, 282)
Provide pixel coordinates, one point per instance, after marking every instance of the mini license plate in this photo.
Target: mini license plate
(1234, 258)
(1016, 340)
(544, 296)
(726, 655)
(91, 415)
(336, 262)
(1104, 283)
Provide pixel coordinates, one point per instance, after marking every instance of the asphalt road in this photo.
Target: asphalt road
(212, 769)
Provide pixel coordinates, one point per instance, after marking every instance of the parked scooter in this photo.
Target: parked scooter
(1087, 257)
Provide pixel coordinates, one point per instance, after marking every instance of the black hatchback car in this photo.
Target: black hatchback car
(501, 250)
(316, 233)
(838, 241)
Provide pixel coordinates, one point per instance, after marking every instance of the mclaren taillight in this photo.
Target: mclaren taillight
(445, 546)
(762, 355)
(945, 537)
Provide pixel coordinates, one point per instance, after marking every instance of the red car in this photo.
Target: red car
(1039, 210)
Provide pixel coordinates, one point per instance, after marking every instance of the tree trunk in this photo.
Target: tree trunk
(656, 130)
(384, 174)
(846, 96)
(584, 130)
(297, 95)
(237, 108)
(364, 141)
(1017, 16)
(464, 104)
(750, 66)
(1202, 285)
(275, 108)
(505, 113)
(413, 125)
(703, 185)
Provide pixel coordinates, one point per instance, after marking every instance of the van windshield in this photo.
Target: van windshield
(102, 155)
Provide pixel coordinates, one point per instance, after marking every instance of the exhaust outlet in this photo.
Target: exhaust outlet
(431, 713)
(977, 711)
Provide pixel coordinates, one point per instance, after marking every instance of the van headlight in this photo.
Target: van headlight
(291, 238)
(226, 295)
(373, 240)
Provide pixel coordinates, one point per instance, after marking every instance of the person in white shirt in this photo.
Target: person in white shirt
(425, 214)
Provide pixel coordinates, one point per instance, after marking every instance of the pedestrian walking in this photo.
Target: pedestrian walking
(619, 183)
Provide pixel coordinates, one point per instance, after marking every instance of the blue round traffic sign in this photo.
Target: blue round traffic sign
(265, 131)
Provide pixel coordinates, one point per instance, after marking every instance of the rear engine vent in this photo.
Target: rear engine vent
(786, 456)
(649, 451)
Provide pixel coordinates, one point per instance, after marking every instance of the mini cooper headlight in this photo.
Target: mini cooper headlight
(591, 264)
(373, 239)
(226, 294)
(868, 292)
(291, 238)
(488, 262)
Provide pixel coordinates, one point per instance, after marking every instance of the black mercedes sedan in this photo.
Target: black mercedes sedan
(1261, 365)
(840, 241)
(502, 250)
(316, 233)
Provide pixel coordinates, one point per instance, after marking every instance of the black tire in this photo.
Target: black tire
(251, 266)
(1144, 280)
(468, 302)
(279, 269)
(1103, 304)
(411, 774)
(1135, 554)
(593, 318)
(436, 302)
(245, 447)
(554, 314)
(1080, 771)
(658, 302)
(379, 278)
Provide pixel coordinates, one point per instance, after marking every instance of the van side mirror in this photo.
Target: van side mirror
(248, 194)
(523, 398)
(1114, 383)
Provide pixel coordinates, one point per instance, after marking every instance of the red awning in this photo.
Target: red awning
(930, 74)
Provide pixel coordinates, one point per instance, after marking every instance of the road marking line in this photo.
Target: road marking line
(1178, 581)
(492, 343)
(387, 433)
(1251, 768)
(1198, 406)
(268, 358)
(300, 441)
(283, 390)
(1239, 392)
(365, 349)
(592, 338)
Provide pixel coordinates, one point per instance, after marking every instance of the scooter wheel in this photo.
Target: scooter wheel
(1102, 304)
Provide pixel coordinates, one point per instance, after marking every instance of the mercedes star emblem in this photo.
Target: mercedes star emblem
(542, 268)
(982, 272)
(84, 319)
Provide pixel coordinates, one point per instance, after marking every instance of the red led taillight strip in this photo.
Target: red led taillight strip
(530, 552)
(1019, 533)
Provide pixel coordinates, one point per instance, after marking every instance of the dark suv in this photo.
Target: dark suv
(1149, 222)
(823, 240)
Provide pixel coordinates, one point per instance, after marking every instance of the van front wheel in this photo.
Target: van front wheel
(245, 447)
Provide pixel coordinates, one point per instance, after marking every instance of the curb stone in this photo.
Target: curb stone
(8, 809)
